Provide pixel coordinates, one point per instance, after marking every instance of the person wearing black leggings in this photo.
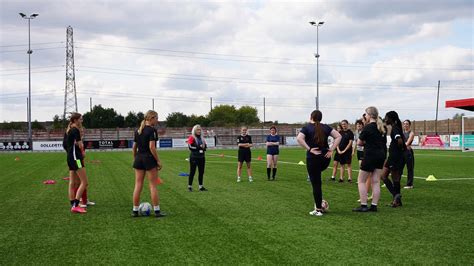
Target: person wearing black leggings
(197, 145)
(314, 138)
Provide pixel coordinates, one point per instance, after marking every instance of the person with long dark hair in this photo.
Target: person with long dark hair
(409, 154)
(273, 150)
(198, 146)
(314, 138)
(146, 162)
(372, 138)
(75, 161)
(345, 151)
(395, 161)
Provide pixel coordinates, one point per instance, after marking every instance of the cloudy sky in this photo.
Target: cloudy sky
(386, 53)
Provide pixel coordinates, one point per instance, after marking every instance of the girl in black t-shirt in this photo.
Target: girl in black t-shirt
(314, 138)
(75, 160)
(345, 151)
(396, 160)
(336, 157)
(372, 138)
(146, 161)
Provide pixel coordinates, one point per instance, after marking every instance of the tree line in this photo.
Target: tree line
(221, 115)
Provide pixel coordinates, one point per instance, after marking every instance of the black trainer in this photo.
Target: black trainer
(341, 180)
(202, 189)
(134, 213)
(373, 208)
(190, 189)
(361, 209)
(333, 179)
(159, 214)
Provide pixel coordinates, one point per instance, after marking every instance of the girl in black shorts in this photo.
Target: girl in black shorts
(146, 161)
(314, 138)
(345, 151)
(75, 161)
(372, 138)
(336, 157)
(396, 160)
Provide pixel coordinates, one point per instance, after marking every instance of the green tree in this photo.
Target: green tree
(177, 119)
(37, 125)
(131, 120)
(247, 115)
(458, 116)
(201, 120)
(101, 117)
(59, 123)
(222, 115)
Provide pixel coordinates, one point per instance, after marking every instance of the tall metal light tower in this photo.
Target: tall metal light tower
(70, 97)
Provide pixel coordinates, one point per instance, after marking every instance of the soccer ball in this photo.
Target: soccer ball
(144, 209)
(325, 205)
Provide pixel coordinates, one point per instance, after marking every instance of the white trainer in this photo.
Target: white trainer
(90, 203)
(315, 213)
(250, 179)
(238, 179)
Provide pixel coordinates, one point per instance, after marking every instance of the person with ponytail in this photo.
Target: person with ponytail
(146, 162)
(273, 143)
(336, 157)
(345, 151)
(75, 160)
(197, 145)
(396, 160)
(314, 139)
(372, 138)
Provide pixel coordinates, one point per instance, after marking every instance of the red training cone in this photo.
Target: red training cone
(259, 158)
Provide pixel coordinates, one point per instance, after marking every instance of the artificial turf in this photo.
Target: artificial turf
(233, 223)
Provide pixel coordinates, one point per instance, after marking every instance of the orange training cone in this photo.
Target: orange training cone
(221, 155)
(17, 158)
(259, 158)
(159, 181)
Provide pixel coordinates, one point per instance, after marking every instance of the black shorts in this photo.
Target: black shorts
(244, 156)
(337, 156)
(75, 165)
(345, 158)
(144, 161)
(360, 155)
(395, 165)
(370, 164)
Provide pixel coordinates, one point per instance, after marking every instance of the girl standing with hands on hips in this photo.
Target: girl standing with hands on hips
(197, 145)
(314, 138)
(146, 161)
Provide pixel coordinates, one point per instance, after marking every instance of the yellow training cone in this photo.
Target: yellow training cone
(431, 178)
(301, 163)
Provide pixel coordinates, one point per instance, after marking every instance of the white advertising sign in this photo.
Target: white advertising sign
(48, 145)
(180, 143)
(455, 140)
(416, 141)
(291, 141)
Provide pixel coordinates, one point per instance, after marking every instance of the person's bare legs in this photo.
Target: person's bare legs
(139, 177)
(361, 179)
(153, 182)
(376, 186)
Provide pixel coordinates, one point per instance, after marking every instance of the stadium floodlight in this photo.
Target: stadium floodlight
(29, 52)
(317, 25)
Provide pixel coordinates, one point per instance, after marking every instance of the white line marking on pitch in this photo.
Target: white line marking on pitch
(355, 170)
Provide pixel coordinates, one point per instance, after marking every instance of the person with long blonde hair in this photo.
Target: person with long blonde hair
(198, 146)
(244, 142)
(373, 139)
(75, 160)
(146, 162)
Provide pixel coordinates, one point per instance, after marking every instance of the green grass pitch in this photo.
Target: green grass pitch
(234, 223)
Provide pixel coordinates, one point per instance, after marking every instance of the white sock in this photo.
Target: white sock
(332, 177)
(238, 177)
(200, 186)
(156, 208)
(189, 186)
(135, 208)
(250, 177)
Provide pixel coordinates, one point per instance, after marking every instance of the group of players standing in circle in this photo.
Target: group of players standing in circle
(370, 144)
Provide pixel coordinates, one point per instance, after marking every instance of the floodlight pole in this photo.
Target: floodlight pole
(317, 25)
(29, 52)
(437, 103)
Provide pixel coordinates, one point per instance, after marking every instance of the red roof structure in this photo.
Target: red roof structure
(466, 104)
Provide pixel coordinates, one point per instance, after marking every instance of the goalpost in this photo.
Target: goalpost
(467, 138)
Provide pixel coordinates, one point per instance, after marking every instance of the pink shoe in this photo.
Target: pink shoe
(78, 210)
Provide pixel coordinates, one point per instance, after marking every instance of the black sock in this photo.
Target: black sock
(396, 186)
(75, 203)
(268, 172)
(389, 186)
(274, 173)
(72, 203)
